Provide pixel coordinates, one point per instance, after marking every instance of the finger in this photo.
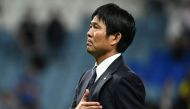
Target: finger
(85, 96)
(90, 104)
(93, 107)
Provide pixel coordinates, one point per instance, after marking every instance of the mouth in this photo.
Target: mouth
(89, 43)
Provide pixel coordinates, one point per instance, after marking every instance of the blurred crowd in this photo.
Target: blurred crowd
(37, 45)
(160, 55)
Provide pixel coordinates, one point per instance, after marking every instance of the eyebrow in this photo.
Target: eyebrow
(94, 23)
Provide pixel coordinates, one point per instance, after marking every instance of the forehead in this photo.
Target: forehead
(96, 20)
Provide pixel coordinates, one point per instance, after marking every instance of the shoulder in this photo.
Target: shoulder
(128, 89)
(126, 79)
(127, 74)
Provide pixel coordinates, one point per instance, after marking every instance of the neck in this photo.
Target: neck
(101, 58)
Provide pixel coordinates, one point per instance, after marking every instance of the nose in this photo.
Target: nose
(89, 33)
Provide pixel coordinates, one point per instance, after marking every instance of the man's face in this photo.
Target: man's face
(98, 43)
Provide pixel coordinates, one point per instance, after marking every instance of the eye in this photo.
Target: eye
(96, 26)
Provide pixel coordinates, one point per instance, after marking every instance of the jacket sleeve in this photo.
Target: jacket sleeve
(130, 93)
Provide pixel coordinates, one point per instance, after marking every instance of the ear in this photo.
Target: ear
(115, 38)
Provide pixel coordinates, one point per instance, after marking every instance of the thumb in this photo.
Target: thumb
(85, 96)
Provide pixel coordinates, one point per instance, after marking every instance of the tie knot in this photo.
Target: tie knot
(93, 77)
(94, 68)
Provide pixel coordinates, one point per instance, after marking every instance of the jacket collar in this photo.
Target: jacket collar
(107, 75)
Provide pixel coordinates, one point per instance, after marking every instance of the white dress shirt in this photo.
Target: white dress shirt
(102, 67)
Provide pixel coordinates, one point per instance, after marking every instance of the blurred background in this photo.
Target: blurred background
(43, 51)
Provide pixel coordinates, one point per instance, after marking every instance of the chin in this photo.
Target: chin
(90, 51)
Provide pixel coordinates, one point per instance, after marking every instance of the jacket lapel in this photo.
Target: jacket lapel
(84, 83)
(107, 75)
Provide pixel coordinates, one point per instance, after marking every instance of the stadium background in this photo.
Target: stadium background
(43, 55)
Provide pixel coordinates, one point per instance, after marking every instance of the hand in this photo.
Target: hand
(84, 104)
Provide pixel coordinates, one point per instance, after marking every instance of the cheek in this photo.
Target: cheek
(99, 37)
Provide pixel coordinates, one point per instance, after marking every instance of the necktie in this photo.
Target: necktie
(92, 80)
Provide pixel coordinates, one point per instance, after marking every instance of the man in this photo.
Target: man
(115, 86)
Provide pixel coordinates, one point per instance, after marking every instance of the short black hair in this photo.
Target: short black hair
(117, 20)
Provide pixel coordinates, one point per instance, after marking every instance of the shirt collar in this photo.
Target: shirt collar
(102, 67)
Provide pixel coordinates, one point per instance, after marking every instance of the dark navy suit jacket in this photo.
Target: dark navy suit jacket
(117, 88)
